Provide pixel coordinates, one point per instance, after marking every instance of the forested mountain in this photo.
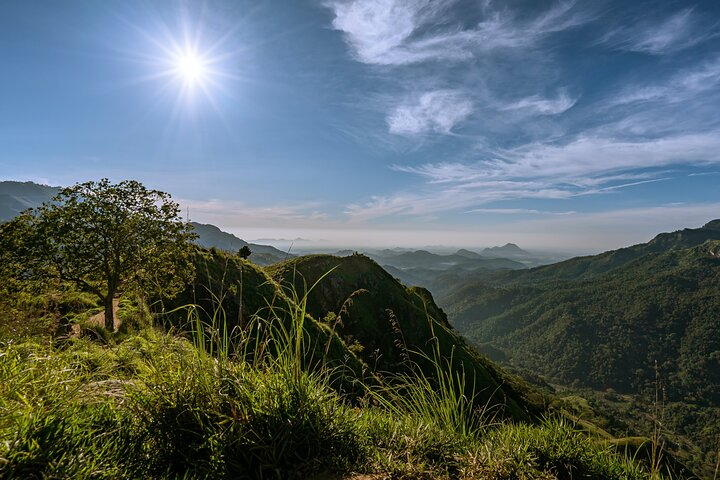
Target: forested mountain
(381, 322)
(603, 321)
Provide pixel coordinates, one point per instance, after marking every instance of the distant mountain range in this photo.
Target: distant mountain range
(16, 197)
(464, 259)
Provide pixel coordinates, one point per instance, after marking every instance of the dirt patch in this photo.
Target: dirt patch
(99, 318)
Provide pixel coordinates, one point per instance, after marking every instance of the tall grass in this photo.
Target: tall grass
(256, 402)
(444, 397)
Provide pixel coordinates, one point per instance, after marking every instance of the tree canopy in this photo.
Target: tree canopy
(244, 252)
(105, 238)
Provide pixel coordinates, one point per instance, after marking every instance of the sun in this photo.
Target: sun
(191, 67)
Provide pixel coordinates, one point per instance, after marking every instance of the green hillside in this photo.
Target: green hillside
(230, 294)
(602, 322)
(387, 325)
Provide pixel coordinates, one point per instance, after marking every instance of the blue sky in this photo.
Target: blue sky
(575, 125)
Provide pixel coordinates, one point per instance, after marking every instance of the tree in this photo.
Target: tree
(244, 252)
(104, 238)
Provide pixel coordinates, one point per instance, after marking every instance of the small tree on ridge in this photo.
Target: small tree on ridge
(104, 238)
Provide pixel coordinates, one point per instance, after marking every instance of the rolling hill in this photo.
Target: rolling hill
(389, 324)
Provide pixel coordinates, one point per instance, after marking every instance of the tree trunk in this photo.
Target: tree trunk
(109, 313)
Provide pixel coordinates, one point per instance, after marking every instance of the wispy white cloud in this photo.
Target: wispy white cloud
(681, 30)
(612, 188)
(396, 32)
(436, 111)
(452, 197)
(589, 157)
(579, 161)
(543, 106)
(519, 211)
(585, 166)
(680, 87)
(413, 35)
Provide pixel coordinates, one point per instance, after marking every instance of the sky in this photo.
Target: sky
(581, 126)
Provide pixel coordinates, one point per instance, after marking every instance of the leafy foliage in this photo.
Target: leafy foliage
(102, 237)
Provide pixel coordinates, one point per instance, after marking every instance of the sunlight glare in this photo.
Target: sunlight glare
(191, 67)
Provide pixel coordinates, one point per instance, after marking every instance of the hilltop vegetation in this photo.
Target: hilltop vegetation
(391, 326)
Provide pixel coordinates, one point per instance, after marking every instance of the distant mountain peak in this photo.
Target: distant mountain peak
(507, 249)
(467, 253)
(712, 225)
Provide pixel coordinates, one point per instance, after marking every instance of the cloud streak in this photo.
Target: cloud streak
(233, 214)
(398, 32)
(677, 32)
(518, 211)
(681, 87)
(436, 111)
(543, 106)
(585, 166)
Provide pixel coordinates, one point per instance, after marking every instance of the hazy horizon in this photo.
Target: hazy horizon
(558, 126)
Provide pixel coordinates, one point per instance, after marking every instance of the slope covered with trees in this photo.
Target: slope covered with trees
(602, 322)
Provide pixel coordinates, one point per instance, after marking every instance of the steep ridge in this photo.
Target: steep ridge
(387, 323)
